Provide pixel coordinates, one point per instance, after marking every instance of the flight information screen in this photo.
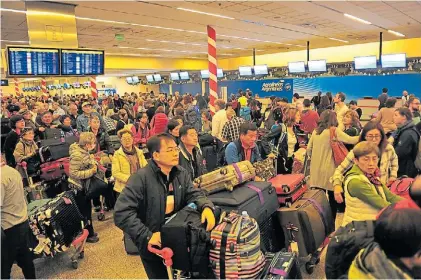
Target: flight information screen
(82, 62)
(26, 61)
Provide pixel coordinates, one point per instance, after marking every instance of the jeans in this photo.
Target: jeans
(15, 247)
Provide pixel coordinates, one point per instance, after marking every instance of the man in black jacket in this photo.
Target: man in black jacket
(406, 142)
(190, 154)
(162, 102)
(153, 194)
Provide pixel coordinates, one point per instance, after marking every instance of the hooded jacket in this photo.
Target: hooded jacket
(195, 168)
(406, 147)
(103, 141)
(140, 208)
(372, 263)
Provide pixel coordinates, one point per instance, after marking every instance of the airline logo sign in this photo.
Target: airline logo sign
(284, 85)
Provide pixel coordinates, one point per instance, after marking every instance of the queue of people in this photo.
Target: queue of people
(159, 151)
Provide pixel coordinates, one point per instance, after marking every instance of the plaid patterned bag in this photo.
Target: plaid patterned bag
(235, 251)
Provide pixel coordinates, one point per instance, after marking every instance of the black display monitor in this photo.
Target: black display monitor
(27, 61)
(82, 62)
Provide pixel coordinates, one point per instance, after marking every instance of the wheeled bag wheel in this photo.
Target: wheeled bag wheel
(82, 255)
(75, 264)
(101, 217)
(310, 267)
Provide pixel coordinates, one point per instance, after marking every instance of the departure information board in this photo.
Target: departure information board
(26, 61)
(82, 62)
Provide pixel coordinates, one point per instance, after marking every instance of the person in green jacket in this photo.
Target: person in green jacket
(365, 195)
(396, 250)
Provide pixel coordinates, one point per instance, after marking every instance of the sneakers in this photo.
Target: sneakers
(93, 239)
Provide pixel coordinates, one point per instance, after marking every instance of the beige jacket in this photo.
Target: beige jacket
(322, 165)
(24, 150)
(385, 117)
(82, 165)
(121, 168)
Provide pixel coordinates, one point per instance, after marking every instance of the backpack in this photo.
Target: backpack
(235, 248)
(344, 246)
(221, 153)
(192, 117)
(245, 113)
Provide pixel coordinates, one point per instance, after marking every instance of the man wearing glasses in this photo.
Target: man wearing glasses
(153, 194)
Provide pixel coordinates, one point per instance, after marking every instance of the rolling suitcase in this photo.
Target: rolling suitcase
(55, 169)
(281, 265)
(289, 187)
(307, 224)
(226, 178)
(54, 152)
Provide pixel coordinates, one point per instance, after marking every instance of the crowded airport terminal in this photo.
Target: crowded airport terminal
(210, 139)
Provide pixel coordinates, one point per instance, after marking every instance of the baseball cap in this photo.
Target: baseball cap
(86, 104)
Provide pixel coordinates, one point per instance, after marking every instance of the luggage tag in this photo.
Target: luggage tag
(294, 247)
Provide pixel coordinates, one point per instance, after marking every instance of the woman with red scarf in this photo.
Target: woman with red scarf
(365, 195)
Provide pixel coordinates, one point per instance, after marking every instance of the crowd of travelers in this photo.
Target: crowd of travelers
(163, 144)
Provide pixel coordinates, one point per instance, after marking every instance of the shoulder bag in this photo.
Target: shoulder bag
(339, 151)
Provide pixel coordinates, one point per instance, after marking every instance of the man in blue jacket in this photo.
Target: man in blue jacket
(245, 147)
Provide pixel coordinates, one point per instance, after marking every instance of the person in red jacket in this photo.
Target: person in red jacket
(159, 121)
(140, 129)
(309, 117)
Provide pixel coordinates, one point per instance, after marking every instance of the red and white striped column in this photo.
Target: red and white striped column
(213, 80)
(94, 91)
(44, 87)
(17, 91)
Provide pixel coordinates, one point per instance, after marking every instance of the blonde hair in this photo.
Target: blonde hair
(86, 138)
(123, 131)
(289, 117)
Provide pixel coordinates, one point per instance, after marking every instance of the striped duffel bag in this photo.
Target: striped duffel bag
(235, 252)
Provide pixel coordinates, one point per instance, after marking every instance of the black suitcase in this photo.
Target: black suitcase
(54, 152)
(210, 155)
(52, 133)
(185, 234)
(281, 265)
(271, 235)
(129, 245)
(259, 199)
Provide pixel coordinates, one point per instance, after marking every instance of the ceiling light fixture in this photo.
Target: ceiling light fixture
(396, 33)
(357, 19)
(204, 13)
(161, 27)
(334, 39)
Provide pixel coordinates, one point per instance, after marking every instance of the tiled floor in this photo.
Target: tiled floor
(108, 260)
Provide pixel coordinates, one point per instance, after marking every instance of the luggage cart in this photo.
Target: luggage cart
(166, 254)
(33, 191)
(79, 245)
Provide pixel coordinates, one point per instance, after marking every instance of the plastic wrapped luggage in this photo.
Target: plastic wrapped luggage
(307, 224)
(56, 223)
(226, 178)
(185, 234)
(257, 198)
(289, 187)
(281, 265)
(55, 169)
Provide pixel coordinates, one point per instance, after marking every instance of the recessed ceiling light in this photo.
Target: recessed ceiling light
(204, 13)
(161, 27)
(12, 41)
(334, 39)
(396, 33)
(357, 19)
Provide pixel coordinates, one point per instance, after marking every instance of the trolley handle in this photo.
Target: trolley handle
(165, 253)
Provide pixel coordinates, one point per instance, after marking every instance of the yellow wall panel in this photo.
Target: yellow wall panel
(130, 62)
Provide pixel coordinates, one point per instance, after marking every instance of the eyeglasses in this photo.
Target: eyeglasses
(172, 150)
(373, 137)
(126, 138)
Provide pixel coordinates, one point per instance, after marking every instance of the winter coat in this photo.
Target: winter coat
(81, 165)
(385, 117)
(140, 208)
(372, 263)
(406, 147)
(24, 150)
(322, 165)
(186, 163)
(121, 167)
(140, 135)
(159, 124)
(9, 146)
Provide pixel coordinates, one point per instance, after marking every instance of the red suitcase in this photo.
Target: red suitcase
(55, 169)
(289, 187)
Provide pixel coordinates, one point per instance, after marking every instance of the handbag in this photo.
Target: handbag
(339, 150)
(95, 186)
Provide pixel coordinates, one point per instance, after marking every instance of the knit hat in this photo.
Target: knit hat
(14, 119)
(26, 130)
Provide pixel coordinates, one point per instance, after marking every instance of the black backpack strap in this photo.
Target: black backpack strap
(224, 242)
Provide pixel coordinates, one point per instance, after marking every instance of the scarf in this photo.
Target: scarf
(133, 159)
(127, 152)
(374, 178)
